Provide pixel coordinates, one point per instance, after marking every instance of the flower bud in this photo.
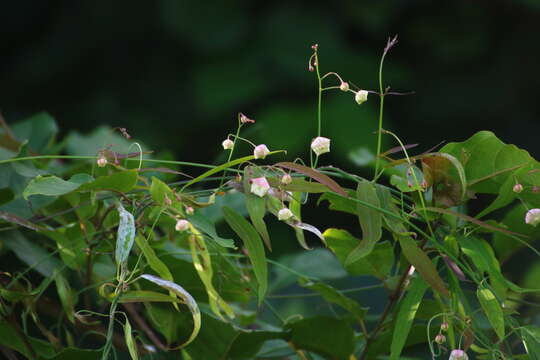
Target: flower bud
(102, 161)
(260, 151)
(361, 96)
(444, 326)
(285, 214)
(244, 119)
(535, 189)
(189, 210)
(259, 186)
(286, 179)
(182, 225)
(227, 144)
(517, 188)
(440, 339)
(533, 217)
(344, 86)
(458, 355)
(320, 145)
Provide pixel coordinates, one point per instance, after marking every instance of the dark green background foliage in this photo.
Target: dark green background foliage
(175, 73)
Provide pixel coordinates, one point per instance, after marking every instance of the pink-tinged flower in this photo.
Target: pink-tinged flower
(244, 119)
(102, 161)
(260, 151)
(227, 144)
(344, 86)
(259, 186)
(458, 355)
(285, 214)
(286, 179)
(320, 145)
(361, 96)
(440, 339)
(189, 210)
(533, 217)
(182, 225)
(517, 188)
(444, 326)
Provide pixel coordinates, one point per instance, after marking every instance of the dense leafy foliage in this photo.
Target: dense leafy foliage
(107, 251)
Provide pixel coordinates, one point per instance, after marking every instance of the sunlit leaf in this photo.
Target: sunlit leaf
(54, 186)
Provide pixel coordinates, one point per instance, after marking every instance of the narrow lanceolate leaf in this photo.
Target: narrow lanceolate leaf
(126, 235)
(146, 296)
(66, 296)
(405, 317)
(418, 258)
(315, 175)
(296, 207)
(370, 222)
(492, 309)
(530, 335)
(153, 261)
(185, 297)
(130, 341)
(254, 246)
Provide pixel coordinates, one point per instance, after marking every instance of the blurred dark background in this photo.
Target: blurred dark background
(175, 73)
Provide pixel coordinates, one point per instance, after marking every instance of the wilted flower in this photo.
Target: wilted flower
(182, 225)
(227, 144)
(533, 217)
(344, 86)
(286, 179)
(320, 145)
(285, 214)
(259, 186)
(361, 96)
(244, 119)
(440, 339)
(517, 188)
(102, 161)
(260, 151)
(458, 355)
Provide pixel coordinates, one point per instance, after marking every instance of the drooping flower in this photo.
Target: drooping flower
(361, 96)
(458, 355)
(286, 179)
(102, 161)
(533, 217)
(320, 145)
(444, 326)
(344, 86)
(260, 151)
(227, 144)
(189, 210)
(440, 339)
(285, 214)
(517, 188)
(182, 225)
(259, 186)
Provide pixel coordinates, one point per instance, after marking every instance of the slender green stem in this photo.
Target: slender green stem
(110, 329)
(381, 110)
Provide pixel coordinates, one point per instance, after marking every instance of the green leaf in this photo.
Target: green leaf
(378, 263)
(123, 181)
(39, 130)
(254, 247)
(6, 195)
(66, 295)
(328, 337)
(153, 261)
(492, 309)
(54, 186)
(298, 185)
(531, 340)
(406, 182)
(370, 222)
(418, 258)
(445, 174)
(314, 174)
(71, 244)
(9, 338)
(160, 191)
(125, 236)
(130, 341)
(296, 208)
(145, 296)
(405, 316)
(31, 253)
(488, 162)
(332, 295)
(204, 224)
(340, 203)
(187, 299)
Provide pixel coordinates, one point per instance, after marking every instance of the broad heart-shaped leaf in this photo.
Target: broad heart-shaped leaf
(370, 222)
(531, 340)
(331, 338)
(160, 191)
(314, 174)
(39, 130)
(492, 309)
(332, 295)
(445, 174)
(54, 186)
(405, 316)
(255, 205)
(378, 263)
(254, 246)
(187, 299)
(123, 181)
(488, 162)
(125, 236)
(418, 258)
